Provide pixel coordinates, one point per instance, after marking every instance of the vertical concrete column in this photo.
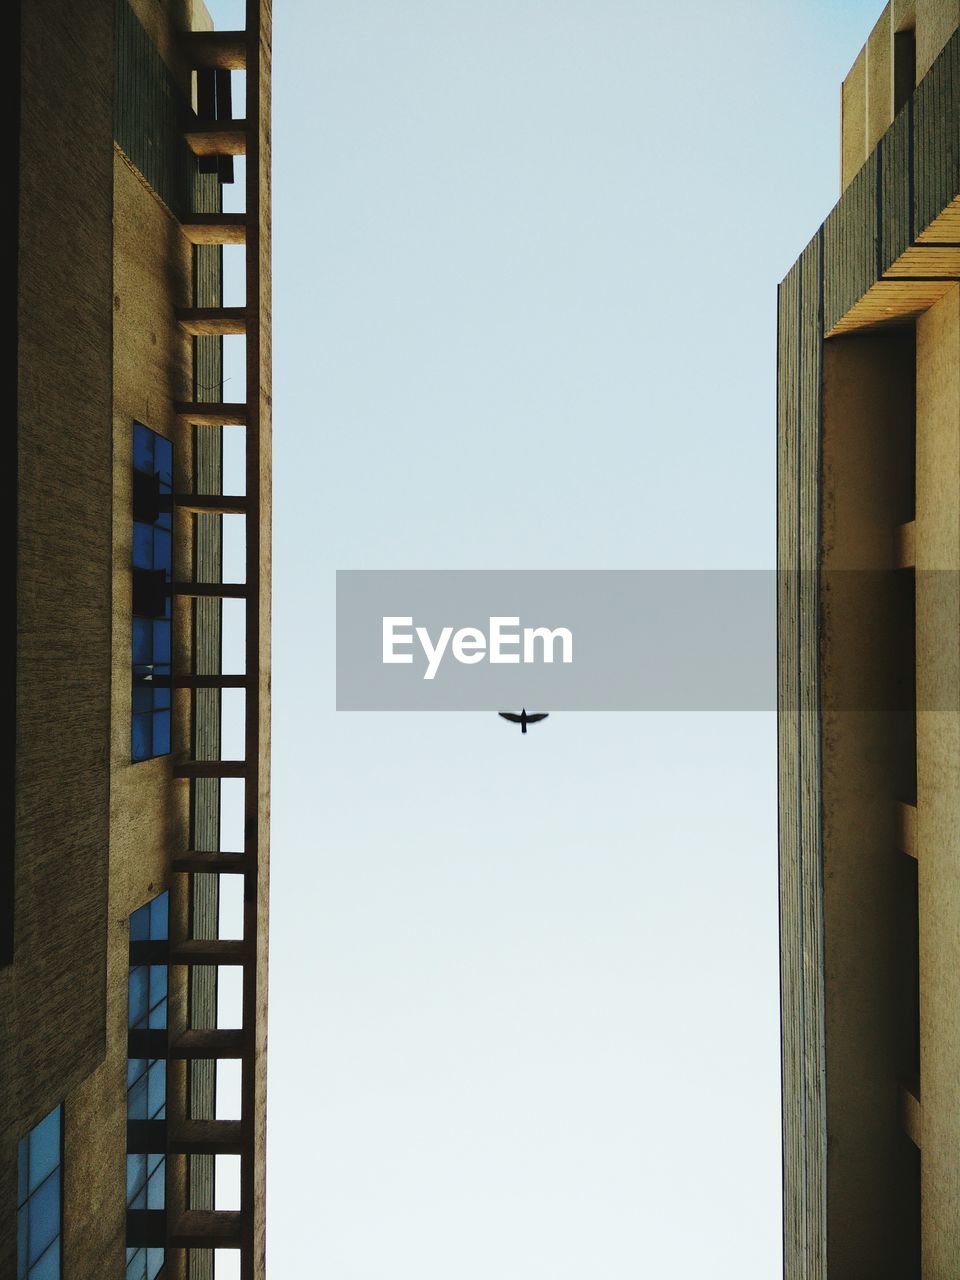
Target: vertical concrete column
(879, 107)
(853, 121)
(938, 783)
(867, 415)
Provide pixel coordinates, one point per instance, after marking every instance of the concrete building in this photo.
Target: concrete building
(869, 659)
(123, 1095)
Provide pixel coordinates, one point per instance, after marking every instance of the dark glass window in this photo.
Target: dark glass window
(146, 1089)
(39, 1157)
(151, 922)
(144, 1264)
(148, 996)
(147, 987)
(147, 1079)
(152, 579)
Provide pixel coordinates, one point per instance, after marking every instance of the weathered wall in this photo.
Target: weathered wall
(936, 22)
(938, 777)
(799, 334)
(879, 75)
(854, 1060)
(868, 98)
(100, 348)
(853, 120)
(148, 811)
(52, 1014)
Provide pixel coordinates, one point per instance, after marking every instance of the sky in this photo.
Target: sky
(524, 990)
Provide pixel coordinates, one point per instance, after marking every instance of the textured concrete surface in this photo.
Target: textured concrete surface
(938, 777)
(149, 812)
(867, 99)
(52, 1006)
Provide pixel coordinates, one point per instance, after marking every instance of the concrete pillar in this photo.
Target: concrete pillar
(879, 107)
(938, 776)
(853, 120)
(867, 490)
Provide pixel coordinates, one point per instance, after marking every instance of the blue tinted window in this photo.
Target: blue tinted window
(147, 983)
(161, 733)
(44, 1216)
(150, 922)
(146, 1089)
(39, 1200)
(159, 915)
(47, 1266)
(140, 924)
(156, 1182)
(143, 545)
(161, 642)
(137, 1099)
(138, 991)
(163, 461)
(44, 1149)
(162, 550)
(136, 1178)
(141, 738)
(158, 996)
(146, 1180)
(144, 1264)
(142, 698)
(147, 994)
(157, 1090)
(142, 640)
(143, 441)
(152, 551)
(147, 1079)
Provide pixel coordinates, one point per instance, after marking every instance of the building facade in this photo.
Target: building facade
(131, 1089)
(869, 685)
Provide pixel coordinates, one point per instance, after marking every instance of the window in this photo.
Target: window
(146, 1089)
(152, 578)
(147, 1077)
(151, 922)
(147, 989)
(39, 1157)
(143, 1263)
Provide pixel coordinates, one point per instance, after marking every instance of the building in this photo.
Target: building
(869, 687)
(116, 1068)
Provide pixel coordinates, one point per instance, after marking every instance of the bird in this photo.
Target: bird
(523, 719)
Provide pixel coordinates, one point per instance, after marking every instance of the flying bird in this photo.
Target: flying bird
(523, 719)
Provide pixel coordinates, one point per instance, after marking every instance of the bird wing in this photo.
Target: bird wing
(508, 715)
(541, 715)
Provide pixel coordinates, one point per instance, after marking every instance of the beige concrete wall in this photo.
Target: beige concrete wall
(52, 1015)
(867, 96)
(936, 22)
(99, 347)
(866, 479)
(853, 120)
(149, 811)
(938, 777)
(879, 105)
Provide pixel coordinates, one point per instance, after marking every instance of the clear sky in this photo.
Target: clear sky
(524, 990)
